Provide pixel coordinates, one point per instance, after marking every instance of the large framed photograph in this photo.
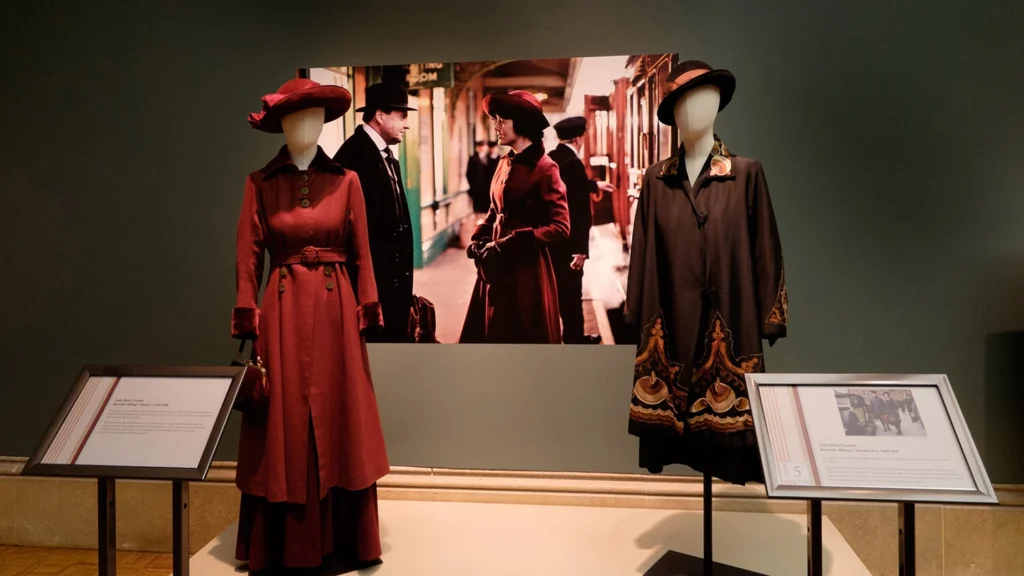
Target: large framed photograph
(601, 129)
(139, 422)
(865, 437)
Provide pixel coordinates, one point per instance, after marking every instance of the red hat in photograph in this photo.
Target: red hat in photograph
(689, 75)
(517, 104)
(300, 94)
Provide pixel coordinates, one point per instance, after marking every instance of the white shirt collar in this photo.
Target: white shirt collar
(381, 144)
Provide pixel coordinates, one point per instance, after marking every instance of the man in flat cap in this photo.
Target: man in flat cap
(569, 256)
(368, 153)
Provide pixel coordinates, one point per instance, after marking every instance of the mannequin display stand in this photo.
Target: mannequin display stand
(704, 300)
(674, 563)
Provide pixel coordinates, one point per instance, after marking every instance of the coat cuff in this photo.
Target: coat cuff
(245, 322)
(370, 317)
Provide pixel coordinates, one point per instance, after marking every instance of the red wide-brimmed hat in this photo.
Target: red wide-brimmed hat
(689, 75)
(516, 104)
(300, 94)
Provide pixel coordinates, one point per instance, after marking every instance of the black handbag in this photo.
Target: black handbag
(253, 393)
(422, 321)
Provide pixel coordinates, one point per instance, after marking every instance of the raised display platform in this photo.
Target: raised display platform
(456, 539)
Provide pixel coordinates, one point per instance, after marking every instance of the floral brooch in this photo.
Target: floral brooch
(720, 166)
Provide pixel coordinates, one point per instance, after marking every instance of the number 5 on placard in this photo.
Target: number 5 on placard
(795, 471)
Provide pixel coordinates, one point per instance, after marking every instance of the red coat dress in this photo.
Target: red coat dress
(515, 299)
(319, 299)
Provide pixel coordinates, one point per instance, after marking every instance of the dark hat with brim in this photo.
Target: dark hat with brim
(300, 94)
(572, 127)
(689, 75)
(386, 96)
(517, 105)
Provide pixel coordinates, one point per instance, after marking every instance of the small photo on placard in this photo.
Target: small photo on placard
(879, 412)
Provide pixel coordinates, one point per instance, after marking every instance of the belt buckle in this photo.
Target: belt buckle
(310, 255)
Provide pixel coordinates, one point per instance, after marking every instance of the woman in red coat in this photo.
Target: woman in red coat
(515, 299)
(308, 462)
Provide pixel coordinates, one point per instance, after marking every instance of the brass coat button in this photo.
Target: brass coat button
(304, 177)
(283, 272)
(280, 287)
(305, 202)
(304, 189)
(330, 285)
(328, 270)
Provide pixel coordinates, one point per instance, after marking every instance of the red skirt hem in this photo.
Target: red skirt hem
(334, 535)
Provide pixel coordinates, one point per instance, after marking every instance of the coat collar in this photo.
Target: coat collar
(377, 139)
(718, 166)
(529, 156)
(283, 163)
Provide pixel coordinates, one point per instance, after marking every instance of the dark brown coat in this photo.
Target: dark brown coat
(706, 284)
(515, 299)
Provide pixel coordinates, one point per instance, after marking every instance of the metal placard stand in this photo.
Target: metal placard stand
(75, 405)
(799, 409)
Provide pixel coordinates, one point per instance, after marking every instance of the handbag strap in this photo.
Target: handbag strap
(239, 358)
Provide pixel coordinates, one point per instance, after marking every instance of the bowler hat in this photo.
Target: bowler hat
(386, 96)
(300, 94)
(517, 104)
(689, 75)
(571, 127)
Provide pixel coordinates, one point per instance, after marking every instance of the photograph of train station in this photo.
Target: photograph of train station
(459, 131)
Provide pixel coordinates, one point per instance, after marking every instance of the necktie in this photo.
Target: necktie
(396, 189)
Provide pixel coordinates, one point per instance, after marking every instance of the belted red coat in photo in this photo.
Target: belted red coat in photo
(319, 298)
(515, 299)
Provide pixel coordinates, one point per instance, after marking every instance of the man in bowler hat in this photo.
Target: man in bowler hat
(569, 256)
(367, 152)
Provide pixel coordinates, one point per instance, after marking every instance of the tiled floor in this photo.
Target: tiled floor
(55, 562)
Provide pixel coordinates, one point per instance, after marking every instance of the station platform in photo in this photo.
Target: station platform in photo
(435, 538)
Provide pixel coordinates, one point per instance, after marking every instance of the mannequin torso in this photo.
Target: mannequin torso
(302, 131)
(695, 115)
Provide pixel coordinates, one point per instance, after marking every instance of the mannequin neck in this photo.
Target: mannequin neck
(302, 157)
(696, 149)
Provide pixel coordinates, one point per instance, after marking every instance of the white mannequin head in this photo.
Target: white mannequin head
(302, 133)
(695, 112)
(302, 129)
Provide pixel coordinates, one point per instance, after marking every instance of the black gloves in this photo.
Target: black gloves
(476, 250)
(518, 241)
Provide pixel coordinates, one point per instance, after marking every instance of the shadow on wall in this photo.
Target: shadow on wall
(1004, 406)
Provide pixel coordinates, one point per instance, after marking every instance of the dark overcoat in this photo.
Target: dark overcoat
(391, 240)
(308, 329)
(578, 188)
(515, 298)
(706, 284)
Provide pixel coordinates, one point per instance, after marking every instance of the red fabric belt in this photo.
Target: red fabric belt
(309, 255)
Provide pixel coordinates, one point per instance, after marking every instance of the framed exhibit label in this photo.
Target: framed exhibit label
(865, 437)
(138, 422)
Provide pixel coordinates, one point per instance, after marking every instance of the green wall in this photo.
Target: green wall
(891, 134)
